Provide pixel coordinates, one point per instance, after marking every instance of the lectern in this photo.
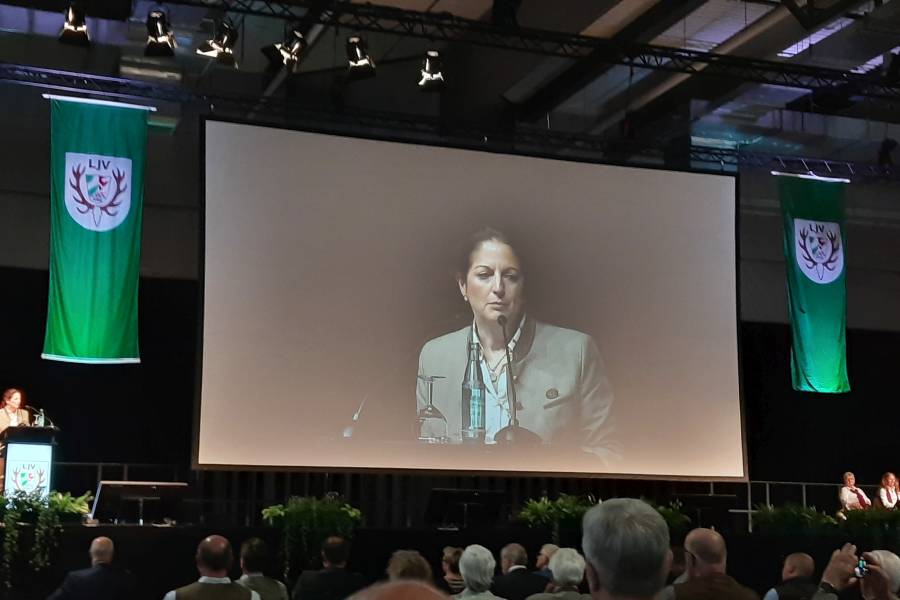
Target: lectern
(29, 459)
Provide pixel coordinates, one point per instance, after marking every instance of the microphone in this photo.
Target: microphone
(512, 433)
(350, 429)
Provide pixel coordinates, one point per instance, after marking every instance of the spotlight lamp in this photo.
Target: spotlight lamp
(287, 54)
(74, 30)
(160, 40)
(432, 79)
(359, 64)
(221, 47)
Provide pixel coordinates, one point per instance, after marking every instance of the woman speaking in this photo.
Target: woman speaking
(559, 382)
(12, 410)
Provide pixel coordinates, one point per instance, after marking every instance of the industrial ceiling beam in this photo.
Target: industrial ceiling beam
(413, 128)
(811, 15)
(448, 28)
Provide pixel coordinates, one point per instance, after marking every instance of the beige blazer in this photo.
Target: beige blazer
(24, 419)
(561, 386)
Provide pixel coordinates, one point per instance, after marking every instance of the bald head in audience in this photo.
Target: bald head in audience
(101, 551)
(399, 590)
(706, 549)
(797, 565)
(214, 556)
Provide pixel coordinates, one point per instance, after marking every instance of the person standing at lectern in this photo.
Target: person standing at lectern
(12, 410)
(12, 414)
(562, 391)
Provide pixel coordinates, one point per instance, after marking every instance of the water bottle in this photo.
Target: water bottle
(473, 399)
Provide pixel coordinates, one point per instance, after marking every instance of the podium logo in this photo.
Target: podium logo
(819, 251)
(98, 190)
(30, 477)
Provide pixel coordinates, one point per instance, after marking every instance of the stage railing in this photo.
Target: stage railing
(396, 500)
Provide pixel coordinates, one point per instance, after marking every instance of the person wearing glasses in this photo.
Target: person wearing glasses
(852, 497)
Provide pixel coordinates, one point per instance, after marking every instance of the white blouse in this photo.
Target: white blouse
(888, 497)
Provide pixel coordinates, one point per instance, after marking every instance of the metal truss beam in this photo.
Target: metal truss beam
(414, 128)
(445, 27)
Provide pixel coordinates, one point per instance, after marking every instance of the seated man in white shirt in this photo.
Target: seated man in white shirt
(214, 557)
(852, 497)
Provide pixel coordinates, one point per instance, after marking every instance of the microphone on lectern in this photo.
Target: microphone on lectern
(512, 433)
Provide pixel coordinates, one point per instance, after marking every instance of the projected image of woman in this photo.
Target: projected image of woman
(562, 391)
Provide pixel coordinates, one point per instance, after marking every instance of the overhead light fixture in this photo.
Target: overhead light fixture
(74, 30)
(432, 77)
(221, 47)
(359, 64)
(287, 54)
(160, 41)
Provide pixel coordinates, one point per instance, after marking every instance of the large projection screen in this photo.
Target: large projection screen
(332, 290)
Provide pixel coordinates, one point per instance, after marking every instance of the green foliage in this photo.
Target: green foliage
(675, 517)
(47, 517)
(565, 511)
(306, 522)
(874, 520)
(792, 518)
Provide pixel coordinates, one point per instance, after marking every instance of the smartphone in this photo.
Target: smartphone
(861, 569)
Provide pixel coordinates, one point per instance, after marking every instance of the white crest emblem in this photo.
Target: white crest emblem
(98, 190)
(819, 250)
(29, 477)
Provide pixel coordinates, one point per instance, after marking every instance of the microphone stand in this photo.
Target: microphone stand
(513, 434)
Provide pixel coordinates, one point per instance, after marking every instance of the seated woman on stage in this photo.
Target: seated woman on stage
(887, 493)
(12, 410)
(852, 497)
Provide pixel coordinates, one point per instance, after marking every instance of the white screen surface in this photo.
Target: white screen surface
(329, 263)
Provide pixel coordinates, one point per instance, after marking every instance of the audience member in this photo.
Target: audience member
(887, 491)
(796, 579)
(333, 581)
(409, 564)
(101, 581)
(567, 567)
(542, 562)
(852, 497)
(399, 590)
(452, 581)
(254, 556)
(706, 558)
(881, 580)
(516, 582)
(677, 573)
(626, 544)
(476, 565)
(214, 558)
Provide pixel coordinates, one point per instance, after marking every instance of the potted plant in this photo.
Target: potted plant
(305, 522)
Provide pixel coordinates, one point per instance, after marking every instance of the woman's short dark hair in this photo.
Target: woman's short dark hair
(451, 558)
(473, 241)
(409, 564)
(7, 394)
(255, 555)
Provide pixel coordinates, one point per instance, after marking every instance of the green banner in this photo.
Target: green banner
(96, 196)
(815, 254)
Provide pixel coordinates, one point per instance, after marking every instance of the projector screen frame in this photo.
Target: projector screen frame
(399, 138)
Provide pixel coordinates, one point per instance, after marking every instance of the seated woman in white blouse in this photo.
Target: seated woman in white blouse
(852, 497)
(887, 492)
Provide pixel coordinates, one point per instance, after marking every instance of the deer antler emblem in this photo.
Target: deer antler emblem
(819, 252)
(94, 203)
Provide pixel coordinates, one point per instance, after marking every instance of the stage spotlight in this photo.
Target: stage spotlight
(287, 54)
(360, 65)
(221, 47)
(432, 77)
(74, 30)
(160, 41)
